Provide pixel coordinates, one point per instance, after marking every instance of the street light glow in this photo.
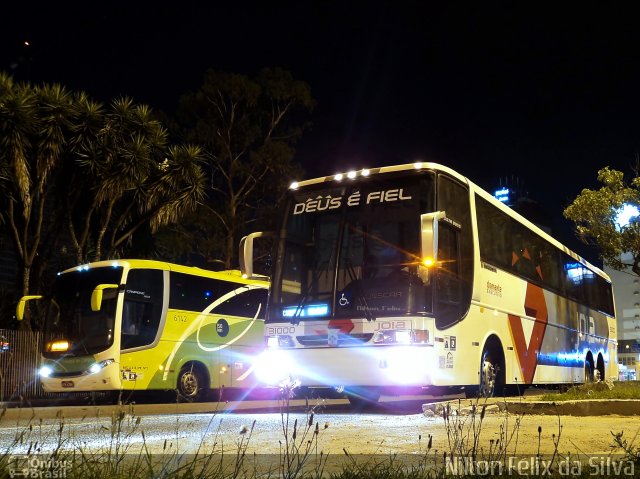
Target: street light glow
(624, 215)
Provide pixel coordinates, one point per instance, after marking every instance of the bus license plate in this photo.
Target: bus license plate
(67, 384)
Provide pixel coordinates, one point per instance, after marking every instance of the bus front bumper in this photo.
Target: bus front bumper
(105, 379)
(415, 365)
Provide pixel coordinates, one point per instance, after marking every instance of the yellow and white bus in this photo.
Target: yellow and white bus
(142, 325)
(409, 277)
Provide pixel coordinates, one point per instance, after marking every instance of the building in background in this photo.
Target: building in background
(512, 192)
(626, 294)
(628, 359)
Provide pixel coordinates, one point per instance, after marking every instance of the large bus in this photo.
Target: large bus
(411, 277)
(144, 325)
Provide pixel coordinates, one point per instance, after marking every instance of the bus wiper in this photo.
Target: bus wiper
(358, 293)
(295, 319)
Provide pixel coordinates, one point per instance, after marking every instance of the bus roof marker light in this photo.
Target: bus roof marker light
(417, 165)
(294, 186)
(339, 177)
(365, 172)
(351, 175)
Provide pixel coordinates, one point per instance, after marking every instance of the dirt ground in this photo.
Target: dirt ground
(378, 433)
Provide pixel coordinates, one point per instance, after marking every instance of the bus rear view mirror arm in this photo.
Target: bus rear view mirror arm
(22, 303)
(96, 295)
(429, 243)
(246, 252)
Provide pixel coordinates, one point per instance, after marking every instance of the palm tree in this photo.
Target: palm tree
(105, 173)
(134, 179)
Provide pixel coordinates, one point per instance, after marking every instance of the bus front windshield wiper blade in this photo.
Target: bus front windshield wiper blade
(358, 292)
(295, 318)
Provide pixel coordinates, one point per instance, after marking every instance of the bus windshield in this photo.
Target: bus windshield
(69, 315)
(353, 251)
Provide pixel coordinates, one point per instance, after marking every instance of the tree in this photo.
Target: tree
(595, 213)
(248, 128)
(101, 175)
(34, 126)
(130, 177)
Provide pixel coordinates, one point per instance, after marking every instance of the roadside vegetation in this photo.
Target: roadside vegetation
(83, 181)
(59, 450)
(599, 390)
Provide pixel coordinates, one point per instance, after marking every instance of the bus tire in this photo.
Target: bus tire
(491, 373)
(588, 372)
(600, 371)
(191, 384)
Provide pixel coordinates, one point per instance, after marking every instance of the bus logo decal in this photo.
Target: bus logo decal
(535, 306)
(222, 327)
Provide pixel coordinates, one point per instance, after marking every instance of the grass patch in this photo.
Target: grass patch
(56, 451)
(599, 390)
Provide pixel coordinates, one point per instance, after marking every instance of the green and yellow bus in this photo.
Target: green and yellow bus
(149, 325)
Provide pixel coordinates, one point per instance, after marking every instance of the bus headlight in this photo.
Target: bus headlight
(272, 367)
(45, 371)
(97, 367)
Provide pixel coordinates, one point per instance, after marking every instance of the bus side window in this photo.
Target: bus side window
(245, 304)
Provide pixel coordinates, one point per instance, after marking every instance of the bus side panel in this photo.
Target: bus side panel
(246, 345)
(187, 336)
(548, 336)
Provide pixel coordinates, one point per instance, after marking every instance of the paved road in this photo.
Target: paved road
(262, 429)
(394, 426)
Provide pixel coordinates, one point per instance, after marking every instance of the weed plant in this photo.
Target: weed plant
(125, 452)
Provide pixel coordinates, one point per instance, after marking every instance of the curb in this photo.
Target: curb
(584, 407)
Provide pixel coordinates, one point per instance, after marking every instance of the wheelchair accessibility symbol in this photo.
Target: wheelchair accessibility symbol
(343, 301)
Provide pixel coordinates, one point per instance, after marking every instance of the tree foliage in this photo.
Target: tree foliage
(131, 178)
(594, 213)
(76, 175)
(248, 128)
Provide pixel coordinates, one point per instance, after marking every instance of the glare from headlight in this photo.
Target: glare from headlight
(97, 367)
(45, 371)
(272, 367)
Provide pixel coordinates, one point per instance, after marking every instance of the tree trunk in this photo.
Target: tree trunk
(25, 324)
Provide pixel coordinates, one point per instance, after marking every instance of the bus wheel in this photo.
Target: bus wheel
(588, 372)
(191, 384)
(490, 370)
(600, 372)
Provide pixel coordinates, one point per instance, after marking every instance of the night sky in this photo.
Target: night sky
(549, 94)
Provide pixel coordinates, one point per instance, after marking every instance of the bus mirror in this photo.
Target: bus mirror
(96, 295)
(247, 252)
(429, 246)
(22, 303)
